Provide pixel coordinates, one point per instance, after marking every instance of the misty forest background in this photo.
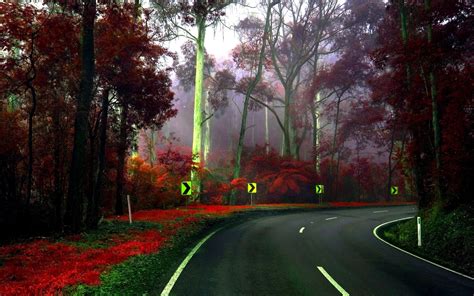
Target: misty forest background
(361, 95)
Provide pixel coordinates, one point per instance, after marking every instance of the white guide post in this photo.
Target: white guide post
(129, 209)
(418, 226)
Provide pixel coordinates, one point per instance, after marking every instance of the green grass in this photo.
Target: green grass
(103, 236)
(149, 274)
(447, 238)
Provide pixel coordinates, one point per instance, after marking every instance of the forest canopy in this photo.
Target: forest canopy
(104, 100)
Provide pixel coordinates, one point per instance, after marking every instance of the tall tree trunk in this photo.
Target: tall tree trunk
(58, 184)
(286, 125)
(418, 166)
(314, 107)
(197, 121)
(333, 147)
(31, 114)
(77, 177)
(435, 115)
(250, 89)
(207, 133)
(253, 129)
(290, 131)
(390, 170)
(122, 150)
(101, 165)
(267, 134)
(92, 164)
(315, 115)
(151, 147)
(336, 176)
(303, 137)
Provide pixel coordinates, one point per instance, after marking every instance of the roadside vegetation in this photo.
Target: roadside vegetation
(118, 257)
(447, 238)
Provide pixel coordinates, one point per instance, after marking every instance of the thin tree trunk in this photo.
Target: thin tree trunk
(97, 193)
(92, 174)
(267, 134)
(58, 192)
(253, 129)
(122, 150)
(288, 126)
(77, 176)
(333, 148)
(359, 184)
(336, 177)
(303, 137)
(390, 171)
(151, 147)
(435, 116)
(250, 89)
(31, 114)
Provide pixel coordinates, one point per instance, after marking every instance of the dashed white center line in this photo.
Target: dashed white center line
(332, 281)
(311, 222)
(332, 218)
(384, 211)
(301, 229)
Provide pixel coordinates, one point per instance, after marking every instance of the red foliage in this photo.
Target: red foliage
(279, 175)
(239, 183)
(44, 268)
(157, 186)
(425, 70)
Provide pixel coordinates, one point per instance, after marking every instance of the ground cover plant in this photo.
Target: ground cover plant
(49, 265)
(447, 238)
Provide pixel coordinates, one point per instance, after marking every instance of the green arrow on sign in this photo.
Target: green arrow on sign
(252, 187)
(186, 188)
(319, 189)
(394, 190)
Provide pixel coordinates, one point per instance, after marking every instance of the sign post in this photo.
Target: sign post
(418, 226)
(252, 189)
(129, 209)
(319, 192)
(186, 190)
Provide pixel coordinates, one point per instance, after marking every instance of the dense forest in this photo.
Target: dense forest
(100, 100)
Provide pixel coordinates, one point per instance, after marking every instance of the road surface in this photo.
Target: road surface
(322, 252)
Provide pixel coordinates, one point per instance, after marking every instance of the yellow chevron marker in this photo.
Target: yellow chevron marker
(252, 187)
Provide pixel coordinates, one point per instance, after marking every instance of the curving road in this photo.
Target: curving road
(335, 253)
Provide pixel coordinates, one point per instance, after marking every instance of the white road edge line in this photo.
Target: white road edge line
(384, 211)
(332, 218)
(426, 260)
(166, 291)
(332, 281)
(301, 229)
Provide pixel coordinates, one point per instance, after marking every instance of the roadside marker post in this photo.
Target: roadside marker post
(129, 209)
(186, 190)
(394, 190)
(418, 226)
(252, 189)
(319, 192)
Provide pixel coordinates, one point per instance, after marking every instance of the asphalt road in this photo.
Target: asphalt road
(275, 256)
